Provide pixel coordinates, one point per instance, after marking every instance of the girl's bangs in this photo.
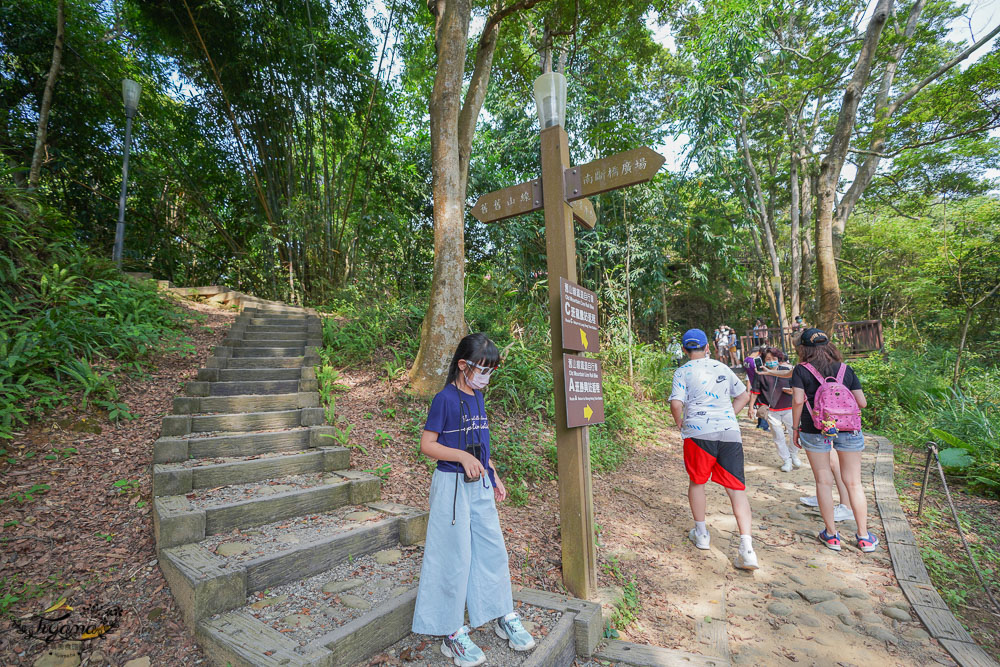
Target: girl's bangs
(489, 356)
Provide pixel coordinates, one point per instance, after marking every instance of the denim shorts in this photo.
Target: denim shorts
(846, 441)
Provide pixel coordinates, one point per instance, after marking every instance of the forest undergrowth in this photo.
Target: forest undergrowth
(520, 395)
(69, 321)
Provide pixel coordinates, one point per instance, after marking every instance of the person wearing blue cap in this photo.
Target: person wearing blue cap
(704, 401)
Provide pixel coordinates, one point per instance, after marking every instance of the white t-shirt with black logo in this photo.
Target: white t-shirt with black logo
(707, 388)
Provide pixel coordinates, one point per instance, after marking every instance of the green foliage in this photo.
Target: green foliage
(361, 326)
(954, 457)
(627, 608)
(66, 319)
(342, 436)
(12, 591)
(911, 400)
(23, 497)
(126, 486)
(382, 472)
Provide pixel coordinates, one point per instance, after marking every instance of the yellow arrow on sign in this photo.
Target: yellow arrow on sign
(587, 412)
(583, 339)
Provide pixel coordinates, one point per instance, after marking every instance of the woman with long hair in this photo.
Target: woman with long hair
(834, 425)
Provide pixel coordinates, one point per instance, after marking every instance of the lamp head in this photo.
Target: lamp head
(130, 93)
(550, 99)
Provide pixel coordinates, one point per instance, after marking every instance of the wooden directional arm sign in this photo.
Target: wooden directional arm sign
(611, 173)
(515, 200)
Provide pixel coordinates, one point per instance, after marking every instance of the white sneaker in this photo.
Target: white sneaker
(786, 466)
(700, 541)
(809, 501)
(843, 513)
(746, 560)
(796, 461)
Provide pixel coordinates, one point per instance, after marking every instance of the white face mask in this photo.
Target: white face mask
(478, 380)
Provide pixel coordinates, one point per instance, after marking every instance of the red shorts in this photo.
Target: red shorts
(720, 461)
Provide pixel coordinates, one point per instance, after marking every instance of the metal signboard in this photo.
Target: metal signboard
(584, 391)
(579, 317)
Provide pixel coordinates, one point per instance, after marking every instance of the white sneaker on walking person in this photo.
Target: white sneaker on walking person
(787, 465)
(843, 513)
(703, 542)
(809, 501)
(746, 558)
(796, 461)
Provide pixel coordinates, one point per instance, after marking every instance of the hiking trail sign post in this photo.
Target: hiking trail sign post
(561, 193)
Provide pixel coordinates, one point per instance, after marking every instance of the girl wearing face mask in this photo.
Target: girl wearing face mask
(465, 558)
(775, 392)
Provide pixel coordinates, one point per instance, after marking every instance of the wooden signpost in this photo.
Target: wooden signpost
(561, 192)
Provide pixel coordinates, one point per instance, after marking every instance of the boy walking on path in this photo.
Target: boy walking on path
(705, 399)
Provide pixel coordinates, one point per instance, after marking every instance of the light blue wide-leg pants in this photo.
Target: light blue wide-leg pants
(465, 564)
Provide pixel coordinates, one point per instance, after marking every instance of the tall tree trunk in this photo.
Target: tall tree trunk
(794, 233)
(765, 217)
(453, 124)
(50, 85)
(833, 163)
(806, 226)
(884, 110)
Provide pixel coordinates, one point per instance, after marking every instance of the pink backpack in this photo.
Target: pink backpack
(836, 409)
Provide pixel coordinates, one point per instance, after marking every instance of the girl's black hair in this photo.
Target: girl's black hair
(476, 348)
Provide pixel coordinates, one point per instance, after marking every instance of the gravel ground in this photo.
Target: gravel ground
(302, 611)
(425, 650)
(205, 498)
(281, 535)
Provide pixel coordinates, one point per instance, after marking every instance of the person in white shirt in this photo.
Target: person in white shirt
(704, 402)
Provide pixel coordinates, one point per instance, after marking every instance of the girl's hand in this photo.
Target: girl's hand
(500, 491)
(473, 468)
(795, 438)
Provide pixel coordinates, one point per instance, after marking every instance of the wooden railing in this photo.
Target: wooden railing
(852, 338)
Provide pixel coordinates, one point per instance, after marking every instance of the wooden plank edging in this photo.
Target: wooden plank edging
(911, 573)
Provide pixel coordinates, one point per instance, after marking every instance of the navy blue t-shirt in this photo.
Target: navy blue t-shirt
(460, 420)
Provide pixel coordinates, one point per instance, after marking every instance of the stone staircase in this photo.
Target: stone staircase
(275, 550)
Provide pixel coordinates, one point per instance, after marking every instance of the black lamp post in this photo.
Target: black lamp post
(130, 93)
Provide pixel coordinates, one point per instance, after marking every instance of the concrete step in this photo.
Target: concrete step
(270, 344)
(191, 405)
(187, 447)
(367, 607)
(249, 387)
(181, 519)
(251, 374)
(178, 425)
(260, 387)
(290, 329)
(258, 352)
(268, 321)
(170, 479)
(263, 362)
(298, 336)
(333, 633)
(206, 582)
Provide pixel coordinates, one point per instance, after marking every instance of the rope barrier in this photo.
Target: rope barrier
(932, 453)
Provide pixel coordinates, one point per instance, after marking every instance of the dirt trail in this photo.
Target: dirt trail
(852, 619)
(690, 600)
